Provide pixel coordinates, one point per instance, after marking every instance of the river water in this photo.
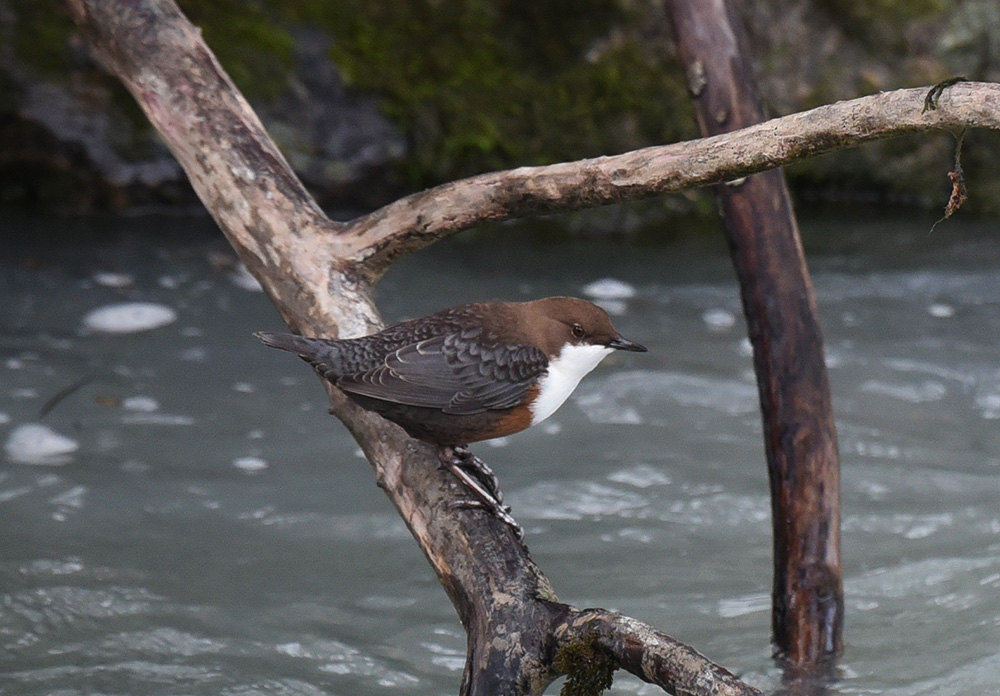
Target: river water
(179, 514)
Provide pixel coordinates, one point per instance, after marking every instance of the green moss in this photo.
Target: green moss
(885, 10)
(876, 23)
(249, 41)
(486, 85)
(251, 45)
(10, 95)
(479, 85)
(41, 36)
(864, 14)
(588, 671)
(476, 85)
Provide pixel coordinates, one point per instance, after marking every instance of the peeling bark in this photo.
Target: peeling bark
(320, 274)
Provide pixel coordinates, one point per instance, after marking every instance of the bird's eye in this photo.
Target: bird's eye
(578, 331)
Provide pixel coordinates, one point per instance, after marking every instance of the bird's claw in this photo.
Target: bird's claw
(476, 504)
(463, 457)
(482, 483)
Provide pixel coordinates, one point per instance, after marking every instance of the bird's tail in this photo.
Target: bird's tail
(325, 355)
(289, 342)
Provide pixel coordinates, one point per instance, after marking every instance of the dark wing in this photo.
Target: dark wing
(453, 373)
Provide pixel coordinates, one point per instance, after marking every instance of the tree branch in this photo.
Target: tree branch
(277, 228)
(319, 274)
(648, 654)
(419, 219)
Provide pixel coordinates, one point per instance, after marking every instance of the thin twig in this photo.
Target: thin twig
(63, 394)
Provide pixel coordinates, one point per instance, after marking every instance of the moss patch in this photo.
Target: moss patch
(41, 36)
(588, 671)
(478, 86)
(876, 23)
(249, 41)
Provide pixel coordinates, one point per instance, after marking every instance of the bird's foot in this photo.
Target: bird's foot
(482, 483)
(462, 457)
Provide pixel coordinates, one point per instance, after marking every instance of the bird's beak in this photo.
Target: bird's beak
(620, 343)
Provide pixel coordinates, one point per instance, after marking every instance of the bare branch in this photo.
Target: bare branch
(419, 219)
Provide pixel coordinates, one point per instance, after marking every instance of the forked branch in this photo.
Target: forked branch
(319, 274)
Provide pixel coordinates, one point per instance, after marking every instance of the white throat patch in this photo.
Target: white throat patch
(564, 373)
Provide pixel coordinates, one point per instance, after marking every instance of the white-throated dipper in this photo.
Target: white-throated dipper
(468, 373)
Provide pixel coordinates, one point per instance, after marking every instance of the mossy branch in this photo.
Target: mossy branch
(591, 641)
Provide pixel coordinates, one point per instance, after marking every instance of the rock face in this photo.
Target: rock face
(70, 140)
(517, 92)
(336, 139)
(813, 52)
(77, 142)
(63, 147)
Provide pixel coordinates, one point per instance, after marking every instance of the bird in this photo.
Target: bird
(467, 373)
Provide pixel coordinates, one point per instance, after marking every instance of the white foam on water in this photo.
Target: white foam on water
(140, 418)
(12, 493)
(576, 500)
(610, 409)
(113, 280)
(129, 317)
(614, 308)
(928, 390)
(609, 289)
(34, 443)
(250, 465)
(67, 501)
(640, 476)
(732, 607)
(623, 396)
(170, 282)
(142, 404)
(941, 310)
(988, 404)
(718, 319)
(197, 354)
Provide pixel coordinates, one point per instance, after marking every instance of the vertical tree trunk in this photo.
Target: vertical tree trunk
(778, 300)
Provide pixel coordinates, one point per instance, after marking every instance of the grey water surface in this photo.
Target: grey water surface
(180, 515)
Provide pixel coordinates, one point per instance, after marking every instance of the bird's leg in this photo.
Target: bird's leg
(481, 482)
(480, 469)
